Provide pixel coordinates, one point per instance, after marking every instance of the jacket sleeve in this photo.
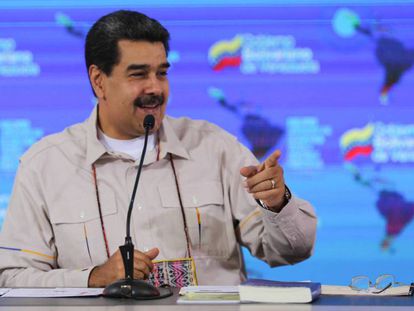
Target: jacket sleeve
(28, 256)
(280, 238)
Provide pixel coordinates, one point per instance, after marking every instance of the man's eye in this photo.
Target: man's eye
(137, 74)
(163, 73)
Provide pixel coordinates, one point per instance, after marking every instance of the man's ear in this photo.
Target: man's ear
(96, 76)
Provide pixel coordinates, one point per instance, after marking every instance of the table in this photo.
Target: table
(324, 303)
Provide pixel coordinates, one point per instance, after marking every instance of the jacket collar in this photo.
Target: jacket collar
(169, 141)
(94, 148)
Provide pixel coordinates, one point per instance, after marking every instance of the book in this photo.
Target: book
(209, 295)
(256, 290)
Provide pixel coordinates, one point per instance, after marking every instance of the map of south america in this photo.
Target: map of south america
(394, 56)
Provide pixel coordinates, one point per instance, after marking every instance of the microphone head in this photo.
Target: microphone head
(149, 121)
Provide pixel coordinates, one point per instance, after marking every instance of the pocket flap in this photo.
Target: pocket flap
(82, 208)
(197, 195)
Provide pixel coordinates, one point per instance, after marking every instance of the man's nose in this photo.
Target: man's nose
(153, 85)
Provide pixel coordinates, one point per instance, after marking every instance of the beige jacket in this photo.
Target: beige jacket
(53, 212)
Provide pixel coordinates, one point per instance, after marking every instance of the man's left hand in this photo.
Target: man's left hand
(265, 182)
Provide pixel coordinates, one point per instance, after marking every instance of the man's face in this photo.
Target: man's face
(137, 86)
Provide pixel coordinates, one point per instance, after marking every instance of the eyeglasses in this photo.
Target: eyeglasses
(382, 283)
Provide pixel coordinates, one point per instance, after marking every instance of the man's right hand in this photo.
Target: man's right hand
(113, 268)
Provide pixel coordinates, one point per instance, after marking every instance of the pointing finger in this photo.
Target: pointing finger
(272, 159)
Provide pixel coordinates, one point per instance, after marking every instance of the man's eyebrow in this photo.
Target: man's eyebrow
(145, 67)
(137, 67)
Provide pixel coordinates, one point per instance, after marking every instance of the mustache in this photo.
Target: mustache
(149, 101)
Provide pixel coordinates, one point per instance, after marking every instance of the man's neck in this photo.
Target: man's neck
(111, 131)
(132, 147)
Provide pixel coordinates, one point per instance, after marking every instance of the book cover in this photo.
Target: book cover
(257, 290)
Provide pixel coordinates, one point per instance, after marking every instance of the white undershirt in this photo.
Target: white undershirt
(131, 147)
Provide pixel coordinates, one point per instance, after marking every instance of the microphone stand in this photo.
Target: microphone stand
(128, 287)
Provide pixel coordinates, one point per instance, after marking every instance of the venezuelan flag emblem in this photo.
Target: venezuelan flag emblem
(225, 53)
(357, 142)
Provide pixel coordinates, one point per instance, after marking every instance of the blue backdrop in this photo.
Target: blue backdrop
(329, 83)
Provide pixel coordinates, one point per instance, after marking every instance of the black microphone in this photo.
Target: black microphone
(128, 287)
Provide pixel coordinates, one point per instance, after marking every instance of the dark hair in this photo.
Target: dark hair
(101, 46)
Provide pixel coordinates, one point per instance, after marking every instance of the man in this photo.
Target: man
(201, 193)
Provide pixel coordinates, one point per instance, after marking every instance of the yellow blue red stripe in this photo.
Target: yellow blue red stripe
(225, 53)
(28, 251)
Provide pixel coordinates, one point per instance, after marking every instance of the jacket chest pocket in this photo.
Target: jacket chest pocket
(205, 215)
(78, 231)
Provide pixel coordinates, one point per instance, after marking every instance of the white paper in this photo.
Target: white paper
(209, 289)
(207, 302)
(53, 292)
(209, 295)
(4, 290)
